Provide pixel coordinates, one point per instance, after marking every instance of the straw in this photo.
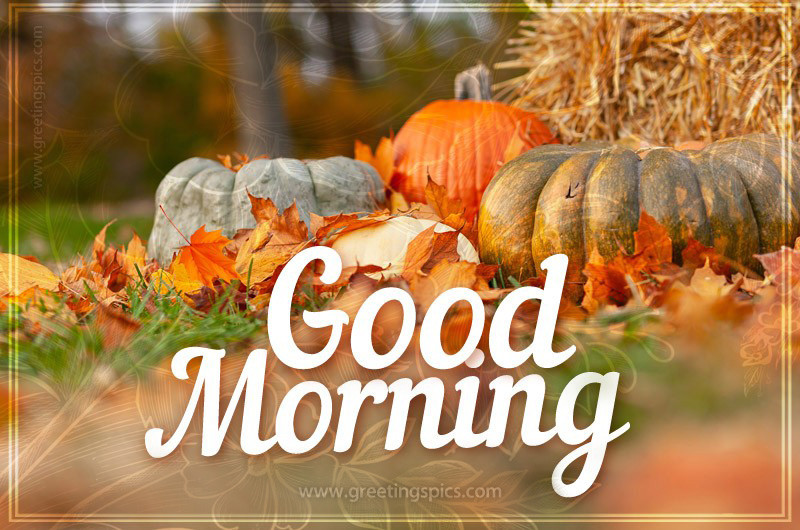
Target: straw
(667, 77)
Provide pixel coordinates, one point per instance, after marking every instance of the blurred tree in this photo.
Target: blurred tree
(259, 101)
(340, 38)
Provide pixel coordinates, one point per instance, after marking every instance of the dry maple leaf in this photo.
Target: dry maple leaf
(695, 255)
(447, 275)
(273, 242)
(782, 266)
(427, 249)
(263, 209)
(382, 160)
(646, 274)
(444, 206)
(652, 244)
(341, 224)
(227, 161)
(134, 255)
(450, 211)
(204, 259)
(708, 298)
(605, 283)
(344, 278)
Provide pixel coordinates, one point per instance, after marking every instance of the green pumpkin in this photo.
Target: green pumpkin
(200, 192)
(740, 195)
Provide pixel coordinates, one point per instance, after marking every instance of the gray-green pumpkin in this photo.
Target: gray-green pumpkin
(199, 191)
(740, 195)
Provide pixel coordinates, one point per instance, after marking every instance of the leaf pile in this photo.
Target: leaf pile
(214, 274)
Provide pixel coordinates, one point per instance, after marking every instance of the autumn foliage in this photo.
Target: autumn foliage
(212, 272)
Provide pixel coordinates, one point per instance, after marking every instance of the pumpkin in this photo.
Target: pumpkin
(385, 244)
(461, 144)
(738, 195)
(200, 191)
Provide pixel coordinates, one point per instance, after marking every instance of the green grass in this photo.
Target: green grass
(68, 354)
(55, 233)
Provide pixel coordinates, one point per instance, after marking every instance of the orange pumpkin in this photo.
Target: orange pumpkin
(461, 144)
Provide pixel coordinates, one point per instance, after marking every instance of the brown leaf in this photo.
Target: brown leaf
(344, 223)
(116, 328)
(436, 197)
(652, 244)
(696, 255)
(427, 249)
(273, 242)
(263, 209)
(345, 277)
(443, 276)
(604, 283)
(782, 265)
(99, 243)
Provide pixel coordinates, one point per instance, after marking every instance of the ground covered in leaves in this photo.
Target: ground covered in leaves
(117, 309)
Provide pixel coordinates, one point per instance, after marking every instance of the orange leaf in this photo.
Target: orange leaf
(604, 283)
(263, 209)
(26, 274)
(652, 242)
(427, 249)
(116, 328)
(344, 223)
(436, 197)
(382, 160)
(696, 254)
(443, 276)
(273, 242)
(134, 255)
(204, 259)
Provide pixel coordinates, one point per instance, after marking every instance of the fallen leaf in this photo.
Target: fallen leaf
(782, 266)
(263, 209)
(695, 255)
(115, 327)
(134, 255)
(344, 223)
(427, 249)
(446, 275)
(18, 275)
(161, 281)
(382, 160)
(604, 283)
(652, 243)
(203, 258)
(241, 160)
(345, 277)
(273, 242)
(183, 282)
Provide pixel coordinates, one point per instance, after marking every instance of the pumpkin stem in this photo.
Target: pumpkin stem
(173, 225)
(474, 83)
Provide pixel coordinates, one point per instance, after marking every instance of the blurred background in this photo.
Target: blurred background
(110, 99)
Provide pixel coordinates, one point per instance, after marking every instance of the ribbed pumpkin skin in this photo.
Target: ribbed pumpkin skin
(200, 192)
(737, 195)
(461, 144)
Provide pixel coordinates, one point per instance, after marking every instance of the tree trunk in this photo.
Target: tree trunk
(262, 117)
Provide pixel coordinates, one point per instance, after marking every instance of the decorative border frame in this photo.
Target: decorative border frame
(783, 7)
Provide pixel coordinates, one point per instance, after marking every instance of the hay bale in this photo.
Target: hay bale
(665, 76)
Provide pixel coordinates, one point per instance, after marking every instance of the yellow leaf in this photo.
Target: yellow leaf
(17, 275)
(183, 281)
